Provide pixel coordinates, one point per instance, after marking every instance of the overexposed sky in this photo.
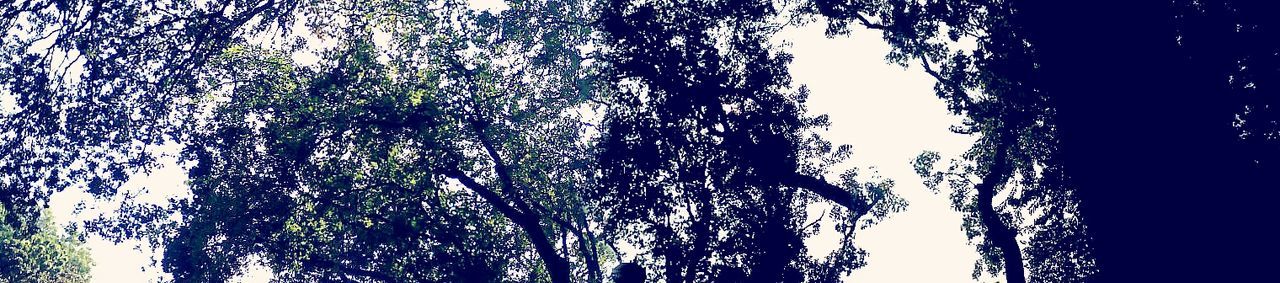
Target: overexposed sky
(888, 113)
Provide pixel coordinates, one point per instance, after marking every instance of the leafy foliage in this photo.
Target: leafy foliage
(97, 83)
(708, 155)
(997, 88)
(431, 166)
(431, 142)
(435, 165)
(35, 251)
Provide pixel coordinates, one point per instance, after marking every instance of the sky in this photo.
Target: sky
(849, 81)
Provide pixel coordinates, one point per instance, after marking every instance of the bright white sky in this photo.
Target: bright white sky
(888, 113)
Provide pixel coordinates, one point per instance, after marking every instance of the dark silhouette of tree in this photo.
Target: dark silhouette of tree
(707, 162)
(1140, 97)
(1229, 44)
(1154, 115)
(628, 273)
(997, 89)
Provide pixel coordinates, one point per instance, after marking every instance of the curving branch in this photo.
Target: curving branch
(859, 205)
(998, 233)
(528, 221)
(867, 23)
(486, 193)
(517, 210)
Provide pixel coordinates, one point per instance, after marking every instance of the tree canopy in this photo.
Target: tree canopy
(709, 151)
(36, 251)
(622, 140)
(995, 86)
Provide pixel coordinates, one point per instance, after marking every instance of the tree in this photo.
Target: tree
(1140, 95)
(707, 161)
(1227, 44)
(457, 136)
(87, 87)
(95, 84)
(435, 165)
(1163, 161)
(90, 86)
(35, 251)
(468, 156)
(436, 143)
(997, 89)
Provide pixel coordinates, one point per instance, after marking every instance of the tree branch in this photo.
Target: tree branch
(485, 193)
(867, 23)
(528, 221)
(499, 166)
(928, 68)
(858, 205)
(586, 241)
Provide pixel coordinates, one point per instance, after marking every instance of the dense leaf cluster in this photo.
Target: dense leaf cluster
(35, 250)
(709, 160)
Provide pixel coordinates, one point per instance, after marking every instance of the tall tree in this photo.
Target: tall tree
(708, 159)
(467, 143)
(97, 83)
(435, 165)
(996, 88)
(88, 86)
(1154, 117)
(1137, 93)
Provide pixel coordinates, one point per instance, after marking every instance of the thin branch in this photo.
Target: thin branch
(928, 68)
(486, 193)
(499, 166)
(867, 23)
(821, 216)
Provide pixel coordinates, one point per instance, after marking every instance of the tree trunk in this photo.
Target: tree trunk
(529, 221)
(587, 243)
(524, 216)
(557, 266)
(998, 233)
